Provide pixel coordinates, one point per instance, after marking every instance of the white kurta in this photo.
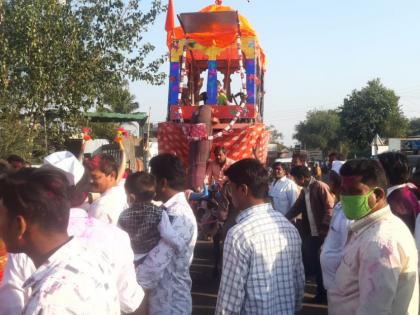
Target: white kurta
(73, 280)
(93, 233)
(165, 272)
(284, 194)
(109, 205)
(332, 249)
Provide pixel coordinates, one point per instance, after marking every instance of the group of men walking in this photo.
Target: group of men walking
(126, 253)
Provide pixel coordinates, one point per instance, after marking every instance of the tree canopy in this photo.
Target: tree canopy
(351, 127)
(65, 56)
(275, 135)
(373, 110)
(320, 129)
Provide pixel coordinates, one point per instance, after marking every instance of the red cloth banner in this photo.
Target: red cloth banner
(240, 143)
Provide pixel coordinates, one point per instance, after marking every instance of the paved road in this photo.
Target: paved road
(204, 288)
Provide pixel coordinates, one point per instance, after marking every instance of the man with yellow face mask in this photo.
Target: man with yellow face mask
(378, 272)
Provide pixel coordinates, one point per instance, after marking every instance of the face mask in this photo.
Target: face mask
(356, 207)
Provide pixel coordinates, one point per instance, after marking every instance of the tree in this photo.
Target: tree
(118, 99)
(14, 133)
(414, 127)
(372, 110)
(275, 135)
(65, 56)
(320, 129)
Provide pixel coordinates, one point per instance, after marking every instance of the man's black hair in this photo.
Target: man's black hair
(300, 171)
(41, 196)
(337, 155)
(252, 173)
(218, 149)
(106, 163)
(284, 166)
(168, 166)
(301, 156)
(15, 158)
(396, 167)
(142, 185)
(371, 172)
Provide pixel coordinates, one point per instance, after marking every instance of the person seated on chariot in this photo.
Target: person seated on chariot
(222, 98)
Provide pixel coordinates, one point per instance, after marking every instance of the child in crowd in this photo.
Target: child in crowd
(145, 223)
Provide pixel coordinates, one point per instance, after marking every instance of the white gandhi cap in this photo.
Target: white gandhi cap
(66, 162)
(336, 166)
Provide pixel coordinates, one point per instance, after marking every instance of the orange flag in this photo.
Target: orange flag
(170, 22)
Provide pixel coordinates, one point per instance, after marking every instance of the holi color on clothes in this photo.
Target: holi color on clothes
(3, 258)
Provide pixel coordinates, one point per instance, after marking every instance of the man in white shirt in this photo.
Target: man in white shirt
(70, 278)
(165, 272)
(282, 190)
(332, 249)
(94, 234)
(378, 272)
(113, 200)
(262, 262)
(89, 231)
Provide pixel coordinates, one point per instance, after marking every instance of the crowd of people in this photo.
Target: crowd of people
(83, 238)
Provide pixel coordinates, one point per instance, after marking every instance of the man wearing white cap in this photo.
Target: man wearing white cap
(332, 249)
(91, 232)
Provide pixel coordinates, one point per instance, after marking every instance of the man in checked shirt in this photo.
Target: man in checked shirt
(262, 264)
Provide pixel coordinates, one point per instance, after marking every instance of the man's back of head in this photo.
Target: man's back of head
(169, 173)
(33, 198)
(299, 158)
(16, 161)
(250, 182)
(140, 187)
(396, 167)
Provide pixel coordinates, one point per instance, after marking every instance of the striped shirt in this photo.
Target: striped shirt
(262, 265)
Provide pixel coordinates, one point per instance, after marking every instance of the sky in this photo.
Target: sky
(318, 52)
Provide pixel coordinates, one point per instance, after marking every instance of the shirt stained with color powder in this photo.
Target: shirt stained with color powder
(74, 280)
(378, 272)
(92, 233)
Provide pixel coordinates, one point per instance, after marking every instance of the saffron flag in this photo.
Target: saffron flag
(170, 22)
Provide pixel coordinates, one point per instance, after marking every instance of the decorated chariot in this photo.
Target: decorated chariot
(210, 52)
